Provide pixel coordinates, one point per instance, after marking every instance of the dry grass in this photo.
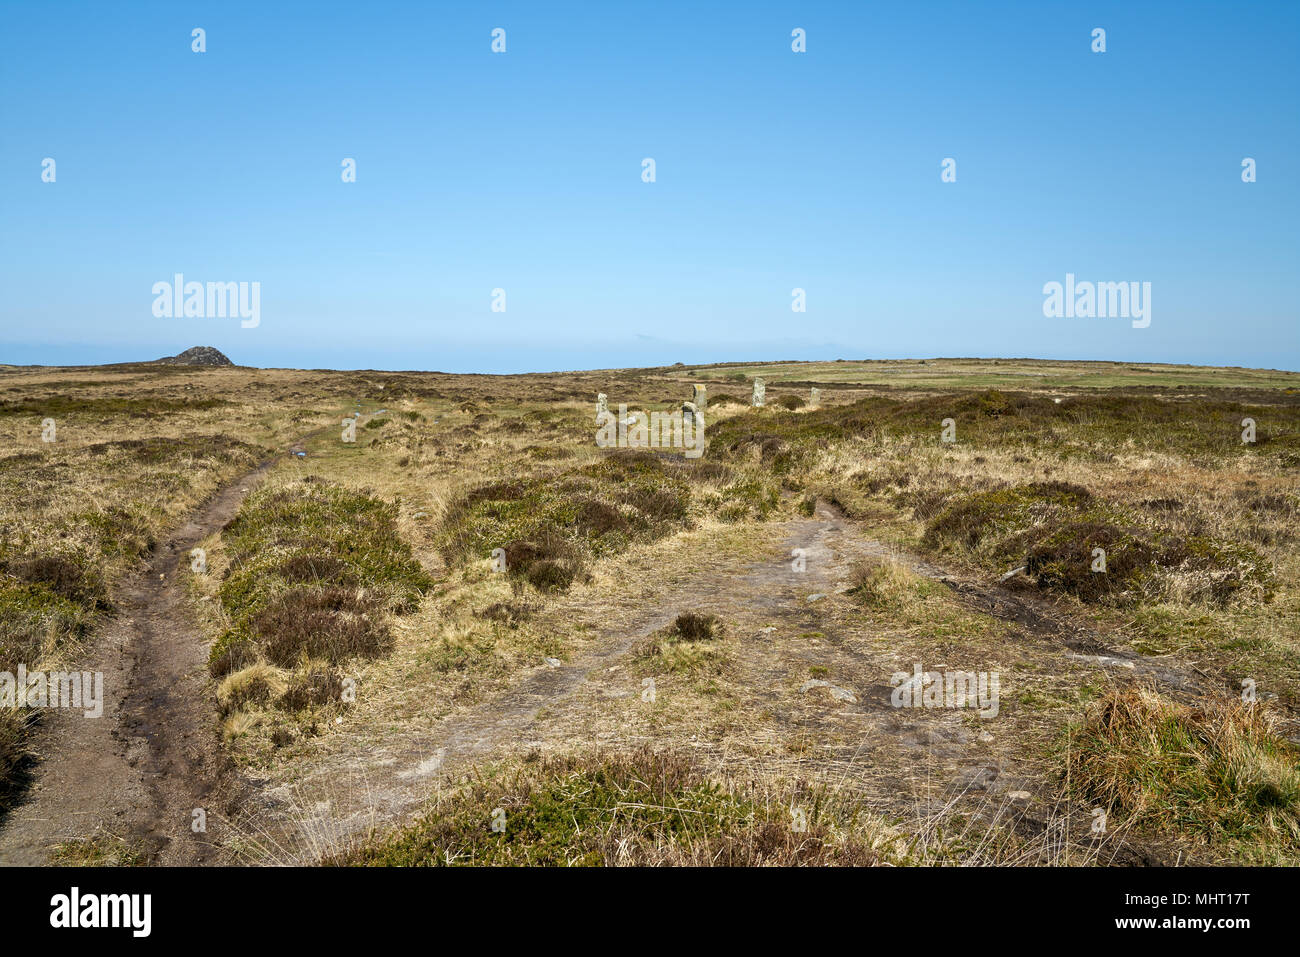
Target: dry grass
(1218, 770)
(602, 543)
(646, 808)
(886, 583)
(259, 684)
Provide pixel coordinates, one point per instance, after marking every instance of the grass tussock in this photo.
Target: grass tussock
(1219, 771)
(690, 645)
(694, 626)
(646, 808)
(257, 685)
(15, 755)
(46, 606)
(885, 584)
(313, 686)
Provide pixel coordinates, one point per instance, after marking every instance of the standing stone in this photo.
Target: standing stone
(760, 392)
(700, 398)
(815, 399)
(602, 403)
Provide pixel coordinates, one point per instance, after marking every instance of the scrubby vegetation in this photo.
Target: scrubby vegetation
(75, 517)
(313, 570)
(310, 584)
(1086, 426)
(1218, 770)
(689, 645)
(647, 808)
(59, 405)
(886, 584)
(552, 525)
(1053, 530)
(886, 452)
(100, 851)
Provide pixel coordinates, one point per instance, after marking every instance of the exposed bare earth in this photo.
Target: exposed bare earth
(793, 686)
(140, 771)
(905, 760)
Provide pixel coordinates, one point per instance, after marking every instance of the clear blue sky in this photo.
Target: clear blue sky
(775, 170)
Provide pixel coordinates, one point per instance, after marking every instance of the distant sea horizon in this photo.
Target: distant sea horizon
(521, 359)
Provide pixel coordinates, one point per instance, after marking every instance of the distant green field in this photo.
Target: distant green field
(1001, 373)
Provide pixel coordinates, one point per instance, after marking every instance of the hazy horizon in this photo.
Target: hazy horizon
(755, 360)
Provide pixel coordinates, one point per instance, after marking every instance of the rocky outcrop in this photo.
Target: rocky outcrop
(198, 356)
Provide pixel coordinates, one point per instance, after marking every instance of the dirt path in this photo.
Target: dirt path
(369, 783)
(139, 772)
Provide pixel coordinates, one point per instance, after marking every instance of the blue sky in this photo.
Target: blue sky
(774, 170)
